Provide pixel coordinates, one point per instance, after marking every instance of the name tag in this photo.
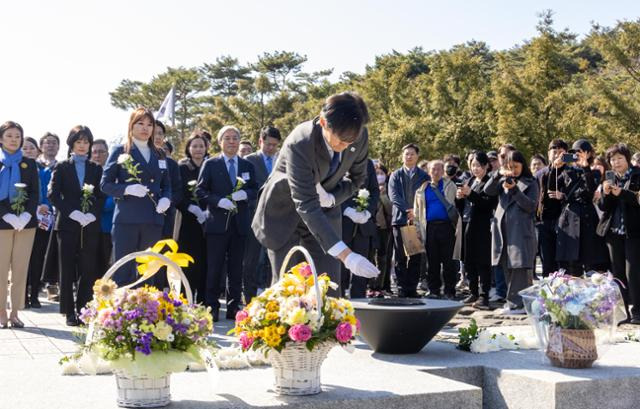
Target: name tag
(246, 176)
(162, 164)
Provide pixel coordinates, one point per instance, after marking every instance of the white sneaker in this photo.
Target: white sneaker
(496, 298)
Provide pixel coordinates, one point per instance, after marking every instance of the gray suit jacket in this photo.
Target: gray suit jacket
(290, 196)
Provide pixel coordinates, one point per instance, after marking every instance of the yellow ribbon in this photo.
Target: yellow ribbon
(149, 265)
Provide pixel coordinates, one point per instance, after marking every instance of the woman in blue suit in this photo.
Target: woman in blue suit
(141, 203)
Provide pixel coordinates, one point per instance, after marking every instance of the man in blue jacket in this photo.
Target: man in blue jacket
(403, 184)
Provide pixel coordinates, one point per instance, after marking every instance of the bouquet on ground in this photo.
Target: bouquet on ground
(288, 314)
(570, 312)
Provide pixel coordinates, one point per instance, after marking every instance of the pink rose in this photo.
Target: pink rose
(300, 333)
(241, 316)
(344, 332)
(306, 271)
(245, 341)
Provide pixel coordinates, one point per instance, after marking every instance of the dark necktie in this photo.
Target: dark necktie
(232, 172)
(335, 162)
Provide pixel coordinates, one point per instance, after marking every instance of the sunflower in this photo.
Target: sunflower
(104, 288)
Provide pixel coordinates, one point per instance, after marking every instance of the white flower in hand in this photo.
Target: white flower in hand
(88, 188)
(363, 193)
(192, 182)
(20, 185)
(123, 158)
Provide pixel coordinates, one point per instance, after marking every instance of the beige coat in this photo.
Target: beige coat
(420, 211)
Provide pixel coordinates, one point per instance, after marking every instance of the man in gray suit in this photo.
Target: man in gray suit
(256, 272)
(300, 203)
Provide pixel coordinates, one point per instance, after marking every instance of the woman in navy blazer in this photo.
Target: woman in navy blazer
(140, 205)
(17, 227)
(78, 228)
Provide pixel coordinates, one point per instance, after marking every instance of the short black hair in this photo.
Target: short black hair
(76, 133)
(169, 146)
(559, 144)
(49, 135)
(101, 142)
(346, 115)
(161, 125)
(481, 157)
(270, 132)
(411, 146)
(619, 149)
(540, 157)
(453, 157)
(246, 142)
(12, 125)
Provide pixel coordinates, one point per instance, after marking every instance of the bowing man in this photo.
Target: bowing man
(226, 184)
(300, 203)
(140, 204)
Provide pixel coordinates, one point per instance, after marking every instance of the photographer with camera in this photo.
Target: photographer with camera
(620, 225)
(578, 247)
(513, 244)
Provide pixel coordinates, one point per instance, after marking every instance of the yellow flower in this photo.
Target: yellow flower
(162, 330)
(104, 288)
(281, 330)
(297, 316)
(350, 319)
(272, 306)
(271, 316)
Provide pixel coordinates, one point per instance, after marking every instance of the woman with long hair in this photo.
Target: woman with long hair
(74, 191)
(136, 176)
(513, 244)
(19, 194)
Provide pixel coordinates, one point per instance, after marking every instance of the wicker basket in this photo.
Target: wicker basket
(140, 392)
(296, 369)
(571, 348)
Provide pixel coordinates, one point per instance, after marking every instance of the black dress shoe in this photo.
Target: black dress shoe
(72, 320)
(635, 321)
(35, 303)
(470, 299)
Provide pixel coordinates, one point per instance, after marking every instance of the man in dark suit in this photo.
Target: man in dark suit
(255, 269)
(226, 184)
(403, 184)
(300, 203)
(359, 230)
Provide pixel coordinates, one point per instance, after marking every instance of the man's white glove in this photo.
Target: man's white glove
(136, 190)
(326, 199)
(239, 195)
(356, 216)
(89, 218)
(198, 213)
(226, 204)
(79, 217)
(360, 266)
(163, 205)
(13, 220)
(24, 219)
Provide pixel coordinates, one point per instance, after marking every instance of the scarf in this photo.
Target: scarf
(79, 162)
(9, 174)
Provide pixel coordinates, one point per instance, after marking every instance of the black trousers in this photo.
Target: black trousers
(128, 238)
(192, 242)
(228, 246)
(77, 259)
(51, 268)
(36, 263)
(104, 258)
(441, 238)
(478, 272)
(382, 254)
(255, 267)
(625, 264)
(407, 268)
(358, 285)
(547, 237)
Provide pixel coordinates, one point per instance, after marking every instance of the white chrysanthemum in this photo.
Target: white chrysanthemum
(20, 185)
(88, 187)
(363, 193)
(192, 182)
(123, 158)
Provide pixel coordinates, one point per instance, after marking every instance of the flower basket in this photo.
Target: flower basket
(142, 392)
(297, 370)
(144, 334)
(571, 348)
(296, 324)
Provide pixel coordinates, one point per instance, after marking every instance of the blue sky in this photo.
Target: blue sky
(61, 58)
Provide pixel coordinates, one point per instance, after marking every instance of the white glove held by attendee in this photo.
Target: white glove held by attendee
(239, 195)
(198, 213)
(136, 190)
(360, 266)
(79, 217)
(226, 204)
(24, 219)
(163, 205)
(13, 220)
(326, 199)
(89, 218)
(356, 216)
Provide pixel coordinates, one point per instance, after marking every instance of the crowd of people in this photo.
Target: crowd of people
(437, 228)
